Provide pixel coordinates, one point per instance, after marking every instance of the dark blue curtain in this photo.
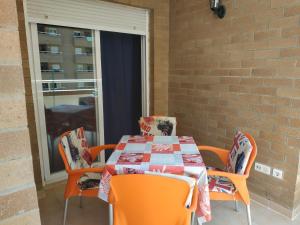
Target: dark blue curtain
(121, 81)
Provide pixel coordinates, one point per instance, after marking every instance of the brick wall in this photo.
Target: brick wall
(297, 195)
(159, 69)
(18, 199)
(240, 72)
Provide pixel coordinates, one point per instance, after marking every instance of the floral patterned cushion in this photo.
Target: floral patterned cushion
(239, 154)
(220, 184)
(158, 125)
(89, 181)
(76, 149)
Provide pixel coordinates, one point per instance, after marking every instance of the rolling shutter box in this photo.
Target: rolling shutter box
(90, 14)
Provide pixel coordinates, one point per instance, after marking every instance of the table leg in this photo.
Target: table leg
(111, 213)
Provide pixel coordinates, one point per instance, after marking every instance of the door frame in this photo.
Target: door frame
(36, 79)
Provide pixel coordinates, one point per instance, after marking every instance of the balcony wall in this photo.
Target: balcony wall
(49, 40)
(241, 72)
(84, 59)
(85, 75)
(82, 42)
(52, 75)
(18, 196)
(51, 58)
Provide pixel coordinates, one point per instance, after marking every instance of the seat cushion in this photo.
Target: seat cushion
(213, 168)
(239, 155)
(158, 125)
(89, 181)
(76, 149)
(220, 184)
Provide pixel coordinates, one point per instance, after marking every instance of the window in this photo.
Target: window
(79, 67)
(78, 51)
(54, 49)
(44, 66)
(52, 30)
(41, 28)
(87, 34)
(43, 48)
(89, 51)
(45, 86)
(89, 67)
(55, 67)
(76, 33)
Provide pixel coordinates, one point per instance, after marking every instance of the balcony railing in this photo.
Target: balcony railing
(68, 85)
(84, 54)
(52, 70)
(84, 71)
(81, 36)
(50, 52)
(50, 33)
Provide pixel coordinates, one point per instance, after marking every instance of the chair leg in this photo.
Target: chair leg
(66, 210)
(111, 214)
(80, 201)
(236, 205)
(193, 218)
(249, 215)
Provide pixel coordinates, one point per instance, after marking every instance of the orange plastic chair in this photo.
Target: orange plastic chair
(239, 181)
(72, 189)
(148, 199)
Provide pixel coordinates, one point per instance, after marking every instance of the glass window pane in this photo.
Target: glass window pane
(68, 85)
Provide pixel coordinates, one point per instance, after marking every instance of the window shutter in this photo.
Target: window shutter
(90, 14)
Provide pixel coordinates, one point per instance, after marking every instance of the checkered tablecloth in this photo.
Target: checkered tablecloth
(161, 154)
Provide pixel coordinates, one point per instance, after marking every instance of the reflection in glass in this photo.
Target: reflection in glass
(68, 83)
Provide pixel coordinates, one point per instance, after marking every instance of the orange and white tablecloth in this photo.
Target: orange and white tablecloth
(161, 154)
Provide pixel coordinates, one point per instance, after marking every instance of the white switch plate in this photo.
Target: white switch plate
(277, 173)
(263, 168)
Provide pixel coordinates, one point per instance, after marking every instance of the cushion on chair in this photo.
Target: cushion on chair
(89, 181)
(239, 155)
(158, 125)
(76, 149)
(220, 184)
(213, 168)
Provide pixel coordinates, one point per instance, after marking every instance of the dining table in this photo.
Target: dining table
(176, 155)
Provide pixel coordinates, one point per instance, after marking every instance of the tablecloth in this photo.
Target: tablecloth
(162, 154)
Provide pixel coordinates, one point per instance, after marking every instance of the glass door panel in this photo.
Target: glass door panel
(69, 86)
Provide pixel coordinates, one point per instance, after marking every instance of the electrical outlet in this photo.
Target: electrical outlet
(277, 173)
(262, 168)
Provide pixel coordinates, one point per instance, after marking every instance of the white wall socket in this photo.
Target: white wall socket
(277, 173)
(262, 168)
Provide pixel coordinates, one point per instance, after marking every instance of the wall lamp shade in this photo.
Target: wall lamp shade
(218, 8)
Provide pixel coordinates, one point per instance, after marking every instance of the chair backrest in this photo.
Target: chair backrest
(148, 200)
(252, 155)
(62, 152)
(73, 149)
(158, 125)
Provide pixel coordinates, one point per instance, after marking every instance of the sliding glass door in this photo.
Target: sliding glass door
(85, 78)
(67, 89)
